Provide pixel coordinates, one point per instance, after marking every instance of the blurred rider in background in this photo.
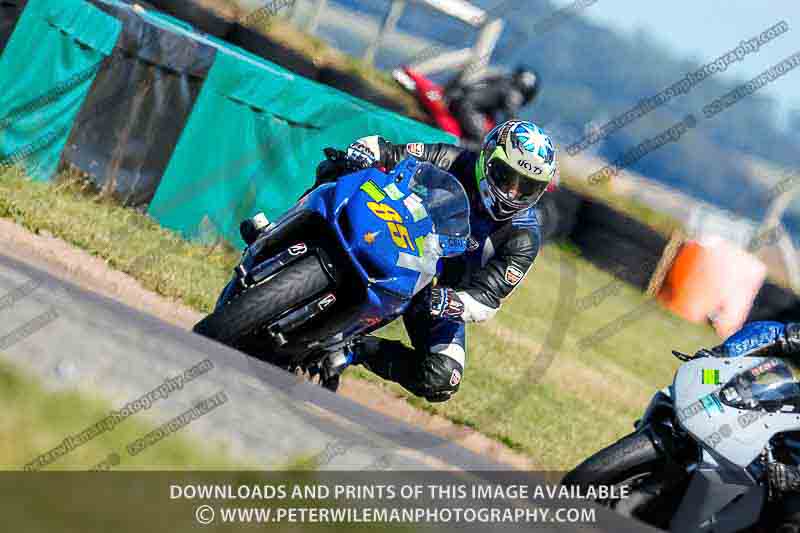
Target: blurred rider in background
(495, 96)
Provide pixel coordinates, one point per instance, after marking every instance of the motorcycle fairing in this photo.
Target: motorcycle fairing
(722, 496)
(382, 227)
(712, 503)
(738, 435)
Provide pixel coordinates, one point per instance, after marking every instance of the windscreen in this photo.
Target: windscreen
(771, 385)
(446, 203)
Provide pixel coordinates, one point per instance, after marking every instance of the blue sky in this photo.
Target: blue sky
(704, 29)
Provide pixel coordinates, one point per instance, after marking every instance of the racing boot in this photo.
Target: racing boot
(357, 353)
(393, 361)
(363, 349)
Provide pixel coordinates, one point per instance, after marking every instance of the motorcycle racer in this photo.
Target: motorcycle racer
(772, 339)
(503, 181)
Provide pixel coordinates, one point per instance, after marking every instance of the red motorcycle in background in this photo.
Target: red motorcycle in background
(431, 96)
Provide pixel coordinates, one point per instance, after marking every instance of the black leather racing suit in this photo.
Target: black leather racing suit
(499, 256)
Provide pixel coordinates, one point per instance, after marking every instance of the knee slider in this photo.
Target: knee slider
(441, 374)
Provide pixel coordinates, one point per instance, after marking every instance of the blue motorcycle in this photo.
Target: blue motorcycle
(344, 261)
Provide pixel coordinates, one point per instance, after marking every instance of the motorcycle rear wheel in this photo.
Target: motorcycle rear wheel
(241, 321)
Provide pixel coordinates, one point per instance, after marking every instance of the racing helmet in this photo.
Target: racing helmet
(527, 82)
(517, 163)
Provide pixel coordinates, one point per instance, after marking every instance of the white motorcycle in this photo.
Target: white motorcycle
(698, 459)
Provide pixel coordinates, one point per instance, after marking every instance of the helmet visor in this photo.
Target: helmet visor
(513, 188)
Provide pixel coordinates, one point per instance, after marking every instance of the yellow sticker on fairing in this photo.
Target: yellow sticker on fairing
(420, 242)
(373, 190)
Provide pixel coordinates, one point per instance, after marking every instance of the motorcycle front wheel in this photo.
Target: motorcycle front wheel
(633, 461)
(241, 321)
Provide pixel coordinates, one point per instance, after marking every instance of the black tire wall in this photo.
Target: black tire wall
(10, 11)
(558, 212)
(259, 44)
(618, 243)
(775, 303)
(262, 46)
(151, 70)
(201, 18)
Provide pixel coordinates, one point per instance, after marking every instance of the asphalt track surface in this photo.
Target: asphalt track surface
(74, 339)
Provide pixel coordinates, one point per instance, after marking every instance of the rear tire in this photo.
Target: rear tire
(632, 461)
(242, 320)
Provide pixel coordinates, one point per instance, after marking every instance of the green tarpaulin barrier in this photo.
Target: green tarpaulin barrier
(253, 141)
(253, 137)
(46, 69)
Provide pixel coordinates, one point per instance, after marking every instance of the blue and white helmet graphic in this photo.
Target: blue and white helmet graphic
(531, 138)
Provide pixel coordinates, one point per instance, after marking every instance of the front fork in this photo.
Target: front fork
(659, 423)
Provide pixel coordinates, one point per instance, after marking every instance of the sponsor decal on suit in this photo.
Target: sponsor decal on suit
(513, 275)
(415, 149)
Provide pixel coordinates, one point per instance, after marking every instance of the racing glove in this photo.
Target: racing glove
(361, 154)
(368, 152)
(336, 164)
(783, 478)
(445, 303)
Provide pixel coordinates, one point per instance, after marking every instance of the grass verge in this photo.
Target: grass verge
(36, 420)
(584, 399)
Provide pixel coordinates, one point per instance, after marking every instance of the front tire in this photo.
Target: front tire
(632, 461)
(241, 320)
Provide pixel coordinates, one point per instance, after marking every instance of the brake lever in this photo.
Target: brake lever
(682, 356)
(698, 355)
